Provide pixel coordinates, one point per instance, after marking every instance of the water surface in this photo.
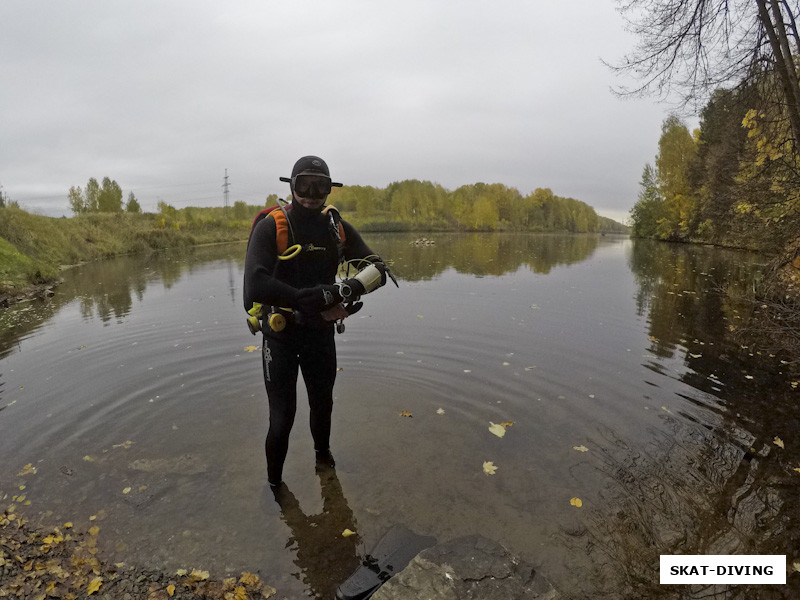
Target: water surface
(136, 392)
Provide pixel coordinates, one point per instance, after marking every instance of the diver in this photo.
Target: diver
(291, 267)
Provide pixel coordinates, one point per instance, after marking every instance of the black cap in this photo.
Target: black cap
(310, 165)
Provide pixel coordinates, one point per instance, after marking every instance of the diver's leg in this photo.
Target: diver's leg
(318, 364)
(279, 361)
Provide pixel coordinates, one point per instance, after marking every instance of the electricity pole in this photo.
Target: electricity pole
(225, 187)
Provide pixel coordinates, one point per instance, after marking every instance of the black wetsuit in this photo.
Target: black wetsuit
(307, 342)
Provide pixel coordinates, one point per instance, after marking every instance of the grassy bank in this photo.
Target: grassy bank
(33, 248)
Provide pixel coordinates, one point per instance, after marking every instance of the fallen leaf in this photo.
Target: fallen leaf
(88, 458)
(250, 579)
(181, 572)
(496, 429)
(576, 502)
(348, 533)
(240, 593)
(28, 469)
(250, 348)
(440, 411)
(797, 469)
(796, 565)
(507, 423)
(94, 585)
(489, 468)
(126, 444)
(127, 490)
(94, 530)
(199, 575)
(778, 442)
(665, 409)
(580, 448)
(405, 413)
(67, 525)
(171, 590)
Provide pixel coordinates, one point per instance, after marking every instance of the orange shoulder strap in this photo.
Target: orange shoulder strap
(281, 230)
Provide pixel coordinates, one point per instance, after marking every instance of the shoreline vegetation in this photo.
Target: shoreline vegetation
(34, 249)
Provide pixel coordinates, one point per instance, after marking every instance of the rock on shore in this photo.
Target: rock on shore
(471, 567)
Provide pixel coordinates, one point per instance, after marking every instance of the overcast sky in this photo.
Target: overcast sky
(164, 96)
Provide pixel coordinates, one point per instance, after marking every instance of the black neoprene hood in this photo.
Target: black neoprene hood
(310, 164)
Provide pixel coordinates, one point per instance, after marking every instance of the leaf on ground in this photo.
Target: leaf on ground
(580, 448)
(127, 490)
(199, 575)
(127, 444)
(796, 565)
(28, 469)
(507, 423)
(440, 411)
(94, 530)
(348, 533)
(250, 579)
(576, 502)
(95, 585)
(405, 413)
(250, 348)
(489, 468)
(181, 572)
(778, 442)
(171, 590)
(239, 593)
(88, 458)
(797, 469)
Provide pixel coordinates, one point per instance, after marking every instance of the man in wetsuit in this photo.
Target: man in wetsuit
(304, 290)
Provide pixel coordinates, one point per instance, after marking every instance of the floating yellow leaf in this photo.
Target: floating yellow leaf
(580, 448)
(497, 429)
(94, 585)
(576, 502)
(171, 590)
(94, 530)
(28, 469)
(348, 533)
(250, 348)
(489, 468)
(405, 413)
(778, 442)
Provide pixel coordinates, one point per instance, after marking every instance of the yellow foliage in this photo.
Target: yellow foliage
(95, 585)
(171, 590)
(576, 502)
(489, 468)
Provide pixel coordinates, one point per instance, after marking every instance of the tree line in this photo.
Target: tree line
(476, 207)
(422, 205)
(105, 198)
(736, 179)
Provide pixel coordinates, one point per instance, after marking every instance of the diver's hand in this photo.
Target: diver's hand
(314, 299)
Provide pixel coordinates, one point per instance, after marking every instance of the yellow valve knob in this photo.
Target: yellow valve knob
(253, 324)
(277, 322)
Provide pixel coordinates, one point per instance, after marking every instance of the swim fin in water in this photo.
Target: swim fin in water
(390, 555)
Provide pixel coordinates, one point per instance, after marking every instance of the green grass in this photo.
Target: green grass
(34, 247)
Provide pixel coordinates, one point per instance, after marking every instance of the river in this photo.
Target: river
(136, 394)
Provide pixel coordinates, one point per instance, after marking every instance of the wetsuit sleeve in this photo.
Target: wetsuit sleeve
(259, 265)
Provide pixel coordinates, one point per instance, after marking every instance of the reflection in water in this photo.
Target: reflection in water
(715, 477)
(640, 363)
(325, 557)
(481, 254)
